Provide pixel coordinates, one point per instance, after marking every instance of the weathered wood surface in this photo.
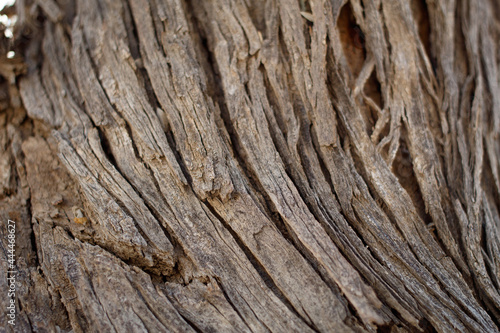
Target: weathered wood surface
(254, 166)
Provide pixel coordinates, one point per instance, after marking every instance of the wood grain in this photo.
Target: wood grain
(254, 166)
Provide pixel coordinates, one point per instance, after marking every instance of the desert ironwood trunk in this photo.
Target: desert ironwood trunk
(252, 166)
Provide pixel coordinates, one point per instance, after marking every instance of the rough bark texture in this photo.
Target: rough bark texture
(253, 166)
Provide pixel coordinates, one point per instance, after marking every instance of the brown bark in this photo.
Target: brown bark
(253, 166)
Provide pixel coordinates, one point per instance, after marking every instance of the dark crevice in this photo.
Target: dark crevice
(190, 323)
(285, 230)
(422, 20)
(87, 240)
(250, 176)
(373, 90)
(141, 72)
(54, 48)
(425, 327)
(229, 301)
(99, 10)
(489, 306)
(52, 107)
(349, 241)
(202, 53)
(402, 168)
(132, 37)
(274, 215)
(362, 4)
(178, 157)
(150, 93)
(352, 39)
(354, 320)
(106, 147)
(173, 277)
(34, 247)
(378, 283)
(308, 32)
(492, 310)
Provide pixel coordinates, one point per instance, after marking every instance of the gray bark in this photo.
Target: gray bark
(253, 166)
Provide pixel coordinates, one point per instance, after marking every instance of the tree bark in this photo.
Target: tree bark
(252, 166)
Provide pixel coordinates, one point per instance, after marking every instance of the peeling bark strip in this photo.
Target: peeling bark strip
(253, 166)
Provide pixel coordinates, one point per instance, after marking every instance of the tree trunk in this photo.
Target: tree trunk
(252, 166)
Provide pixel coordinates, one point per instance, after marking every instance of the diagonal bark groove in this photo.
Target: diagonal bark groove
(259, 267)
